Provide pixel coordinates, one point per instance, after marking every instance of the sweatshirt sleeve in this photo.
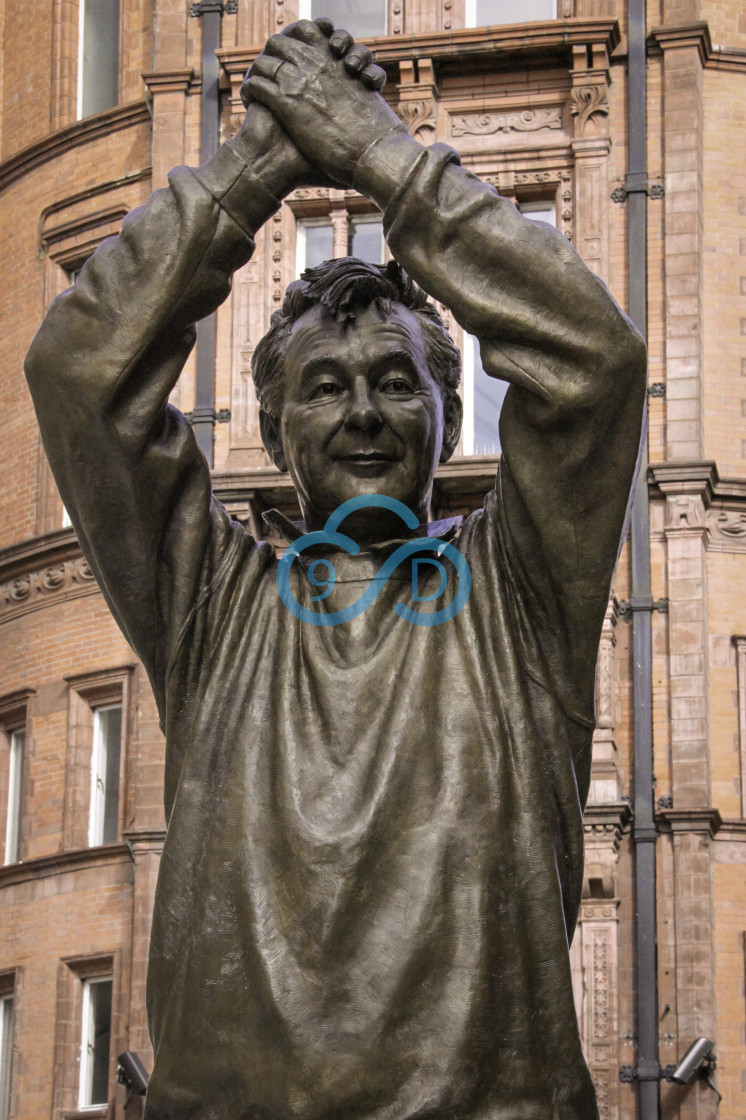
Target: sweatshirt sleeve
(100, 370)
(571, 421)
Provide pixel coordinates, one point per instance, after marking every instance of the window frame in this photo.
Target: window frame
(87, 1073)
(97, 810)
(8, 1019)
(13, 722)
(80, 76)
(88, 692)
(470, 15)
(305, 9)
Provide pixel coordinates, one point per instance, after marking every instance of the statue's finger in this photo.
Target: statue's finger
(325, 25)
(260, 89)
(340, 42)
(305, 29)
(266, 66)
(358, 58)
(290, 50)
(374, 77)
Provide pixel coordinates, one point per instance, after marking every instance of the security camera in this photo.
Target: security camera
(132, 1073)
(698, 1059)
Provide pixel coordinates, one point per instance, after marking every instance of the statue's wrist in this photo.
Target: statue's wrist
(383, 165)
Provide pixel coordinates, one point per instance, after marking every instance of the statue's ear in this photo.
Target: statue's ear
(453, 412)
(269, 426)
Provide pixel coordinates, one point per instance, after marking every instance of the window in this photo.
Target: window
(484, 395)
(6, 1051)
(98, 56)
(14, 818)
(357, 235)
(362, 18)
(484, 13)
(105, 764)
(314, 243)
(95, 1042)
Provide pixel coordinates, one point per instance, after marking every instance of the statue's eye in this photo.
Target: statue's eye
(326, 389)
(397, 386)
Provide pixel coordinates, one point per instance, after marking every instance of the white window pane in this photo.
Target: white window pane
(366, 241)
(360, 17)
(483, 400)
(105, 765)
(482, 13)
(95, 1042)
(314, 243)
(541, 211)
(6, 1052)
(13, 818)
(98, 56)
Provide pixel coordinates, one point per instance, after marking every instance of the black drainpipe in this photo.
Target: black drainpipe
(204, 416)
(644, 831)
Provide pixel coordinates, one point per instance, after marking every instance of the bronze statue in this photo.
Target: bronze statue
(374, 854)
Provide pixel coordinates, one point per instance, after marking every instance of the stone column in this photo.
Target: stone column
(692, 821)
(683, 114)
(604, 773)
(589, 106)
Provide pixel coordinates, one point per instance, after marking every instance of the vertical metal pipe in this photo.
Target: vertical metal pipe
(644, 832)
(203, 416)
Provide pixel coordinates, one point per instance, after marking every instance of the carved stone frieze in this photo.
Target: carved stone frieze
(589, 104)
(726, 530)
(521, 120)
(33, 589)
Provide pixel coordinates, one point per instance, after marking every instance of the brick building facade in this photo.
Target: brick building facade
(94, 112)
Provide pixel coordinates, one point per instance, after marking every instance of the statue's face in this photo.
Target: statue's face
(362, 414)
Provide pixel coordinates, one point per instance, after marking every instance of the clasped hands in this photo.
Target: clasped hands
(313, 108)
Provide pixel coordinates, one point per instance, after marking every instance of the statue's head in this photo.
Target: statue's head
(357, 383)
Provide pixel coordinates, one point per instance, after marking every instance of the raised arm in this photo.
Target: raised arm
(105, 360)
(570, 424)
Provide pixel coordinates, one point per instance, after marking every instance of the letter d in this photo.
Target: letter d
(416, 597)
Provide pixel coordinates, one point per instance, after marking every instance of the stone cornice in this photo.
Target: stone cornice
(73, 136)
(714, 506)
(704, 821)
(81, 859)
(169, 81)
(606, 820)
(697, 34)
(550, 39)
(686, 35)
(732, 831)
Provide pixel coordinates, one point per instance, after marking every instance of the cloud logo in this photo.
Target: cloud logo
(321, 572)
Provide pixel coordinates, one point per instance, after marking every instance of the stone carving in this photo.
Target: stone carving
(684, 511)
(588, 104)
(487, 124)
(730, 524)
(419, 117)
(605, 670)
(35, 589)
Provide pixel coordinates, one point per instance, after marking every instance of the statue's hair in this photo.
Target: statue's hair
(343, 287)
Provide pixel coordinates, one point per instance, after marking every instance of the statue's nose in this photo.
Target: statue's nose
(363, 411)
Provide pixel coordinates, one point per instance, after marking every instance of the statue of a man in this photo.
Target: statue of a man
(374, 854)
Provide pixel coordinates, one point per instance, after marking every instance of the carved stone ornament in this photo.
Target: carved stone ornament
(726, 530)
(32, 590)
(684, 511)
(487, 124)
(587, 103)
(419, 117)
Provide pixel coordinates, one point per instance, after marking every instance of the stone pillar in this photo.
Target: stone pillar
(594, 953)
(604, 773)
(589, 106)
(692, 821)
(168, 90)
(683, 115)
